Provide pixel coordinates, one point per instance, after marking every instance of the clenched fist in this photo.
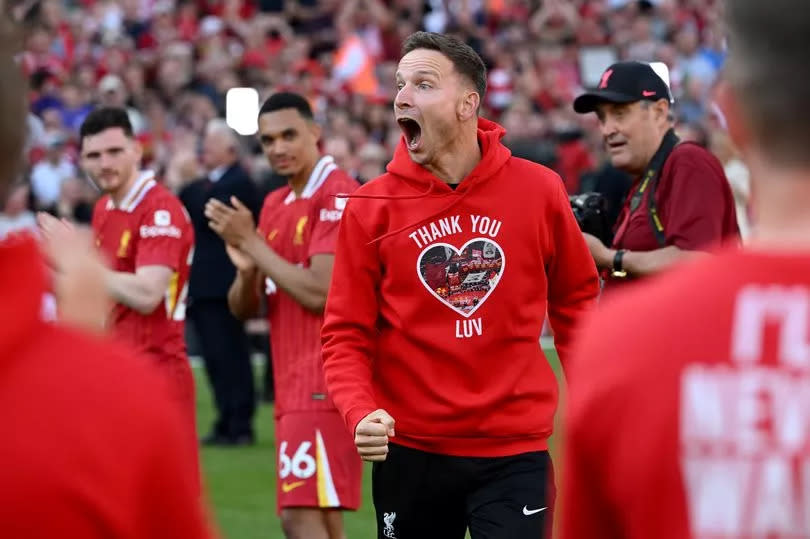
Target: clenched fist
(372, 434)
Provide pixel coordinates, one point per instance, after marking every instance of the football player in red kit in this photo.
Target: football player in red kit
(318, 466)
(689, 399)
(147, 238)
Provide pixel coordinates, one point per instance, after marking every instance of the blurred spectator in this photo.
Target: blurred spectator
(74, 202)
(222, 337)
(643, 46)
(182, 170)
(371, 161)
(738, 177)
(695, 63)
(340, 149)
(74, 107)
(112, 92)
(36, 133)
(17, 214)
(47, 175)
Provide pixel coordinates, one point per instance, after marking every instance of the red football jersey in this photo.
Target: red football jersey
(297, 228)
(150, 228)
(689, 406)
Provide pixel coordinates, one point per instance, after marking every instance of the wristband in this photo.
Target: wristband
(618, 269)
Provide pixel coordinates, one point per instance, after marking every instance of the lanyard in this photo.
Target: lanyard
(650, 182)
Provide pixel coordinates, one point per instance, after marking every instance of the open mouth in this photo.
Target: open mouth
(412, 131)
(616, 145)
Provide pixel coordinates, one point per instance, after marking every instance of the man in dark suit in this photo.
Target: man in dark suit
(222, 337)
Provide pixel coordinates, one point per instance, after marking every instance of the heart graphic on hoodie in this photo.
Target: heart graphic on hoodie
(462, 278)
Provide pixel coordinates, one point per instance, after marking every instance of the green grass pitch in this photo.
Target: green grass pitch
(240, 482)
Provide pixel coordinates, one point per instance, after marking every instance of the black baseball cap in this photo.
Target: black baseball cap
(624, 82)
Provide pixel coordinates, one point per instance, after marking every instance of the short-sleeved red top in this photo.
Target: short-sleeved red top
(693, 200)
(149, 228)
(297, 228)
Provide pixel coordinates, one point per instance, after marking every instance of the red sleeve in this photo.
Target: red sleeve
(694, 202)
(350, 318)
(573, 282)
(327, 212)
(163, 233)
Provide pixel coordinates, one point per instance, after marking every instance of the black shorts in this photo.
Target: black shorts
(419, 495)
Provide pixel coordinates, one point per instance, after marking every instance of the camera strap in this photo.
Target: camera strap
(649, 183)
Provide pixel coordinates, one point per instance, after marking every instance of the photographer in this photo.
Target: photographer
(680, 201)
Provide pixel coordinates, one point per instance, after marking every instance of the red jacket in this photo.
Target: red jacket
(438, 300)
(93, 446)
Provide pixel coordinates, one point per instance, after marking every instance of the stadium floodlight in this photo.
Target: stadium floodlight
(242, 110)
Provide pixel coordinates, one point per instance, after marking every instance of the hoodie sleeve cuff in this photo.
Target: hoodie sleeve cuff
(355, 415)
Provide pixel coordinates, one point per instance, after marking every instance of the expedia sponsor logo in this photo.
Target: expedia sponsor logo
(157, 231)
(331, 215)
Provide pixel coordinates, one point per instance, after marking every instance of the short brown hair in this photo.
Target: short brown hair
(769, 67)
(465, 60)
(13, 111)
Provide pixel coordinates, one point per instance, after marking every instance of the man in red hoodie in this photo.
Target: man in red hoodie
(445, 268)
(689, 399)
(96, 446)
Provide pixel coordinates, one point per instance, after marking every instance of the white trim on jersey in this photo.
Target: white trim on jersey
(142, 185)
(323, 168)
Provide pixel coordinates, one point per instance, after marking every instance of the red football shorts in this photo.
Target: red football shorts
(176, 372)
(317, 462)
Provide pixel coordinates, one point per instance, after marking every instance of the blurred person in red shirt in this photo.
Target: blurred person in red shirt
(680, 201)
(97, 448)
(688, 397)
(290, 260)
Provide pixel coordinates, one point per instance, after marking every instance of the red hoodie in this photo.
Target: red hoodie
(438, 299)
(93, 447)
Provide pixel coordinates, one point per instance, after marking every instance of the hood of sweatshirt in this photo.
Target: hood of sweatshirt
(494, 156)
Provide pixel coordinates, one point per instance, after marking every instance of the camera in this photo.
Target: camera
(590, 210)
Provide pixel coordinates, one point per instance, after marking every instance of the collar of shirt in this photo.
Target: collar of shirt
(144, 182)
(216, 174)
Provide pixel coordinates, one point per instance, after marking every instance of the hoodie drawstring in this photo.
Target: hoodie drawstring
(455, 201)
(408, 197)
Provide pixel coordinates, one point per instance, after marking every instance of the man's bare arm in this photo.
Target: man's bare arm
(308, 286)
(143, 290)
(641, 263)
(243, 296)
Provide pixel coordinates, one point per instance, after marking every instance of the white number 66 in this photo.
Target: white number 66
(302, 465)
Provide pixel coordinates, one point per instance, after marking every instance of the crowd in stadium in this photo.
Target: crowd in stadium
(170, 63)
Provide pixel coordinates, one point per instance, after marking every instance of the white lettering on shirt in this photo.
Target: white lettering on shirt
(745, 427)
